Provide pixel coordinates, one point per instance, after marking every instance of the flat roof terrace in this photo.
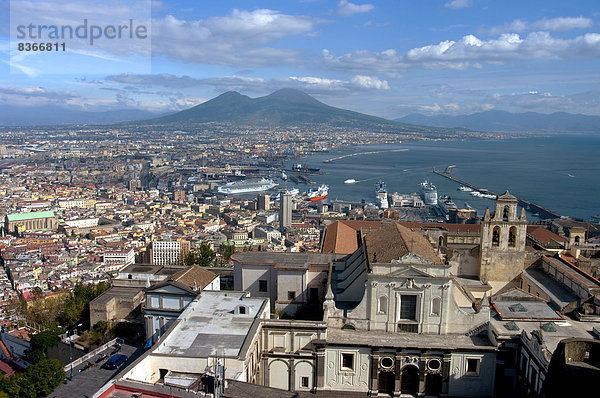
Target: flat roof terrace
(213, 325)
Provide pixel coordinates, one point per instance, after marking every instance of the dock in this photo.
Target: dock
(534, 207)
(305, 179)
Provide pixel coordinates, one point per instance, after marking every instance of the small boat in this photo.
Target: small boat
(350, 181)
(464, 189)
(284, 176)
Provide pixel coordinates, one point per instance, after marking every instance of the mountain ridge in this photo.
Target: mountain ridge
(283, 107)
(503, 121)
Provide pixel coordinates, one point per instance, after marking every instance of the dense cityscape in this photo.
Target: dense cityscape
(327, 199)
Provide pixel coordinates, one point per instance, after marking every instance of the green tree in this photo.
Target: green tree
(227, 251)
(39, 343)
(101, 327)
(76, 306)
(203, 256)
(39, 380)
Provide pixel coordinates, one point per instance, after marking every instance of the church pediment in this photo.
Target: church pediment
(411, 258)
(410, 272)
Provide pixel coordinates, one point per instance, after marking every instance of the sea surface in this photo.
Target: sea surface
(561, 173)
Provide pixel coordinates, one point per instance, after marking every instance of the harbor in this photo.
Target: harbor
(534, 207)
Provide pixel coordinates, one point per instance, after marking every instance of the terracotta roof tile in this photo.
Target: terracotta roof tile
(393, 241)
(544, 235)
(187, 276)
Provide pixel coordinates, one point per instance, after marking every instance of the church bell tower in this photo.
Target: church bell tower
(503, 236)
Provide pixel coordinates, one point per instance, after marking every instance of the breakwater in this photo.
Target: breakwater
(534, 207)
(362, 153)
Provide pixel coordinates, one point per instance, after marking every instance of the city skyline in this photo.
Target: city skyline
(386, 58)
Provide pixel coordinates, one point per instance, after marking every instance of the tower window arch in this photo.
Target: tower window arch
(505, 213)
(512, 237)
(577, 241)
(496, 236)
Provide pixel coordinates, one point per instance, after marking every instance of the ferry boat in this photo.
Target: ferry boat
(319, 194)
(246, 186)
(429, 193)
(381, 194)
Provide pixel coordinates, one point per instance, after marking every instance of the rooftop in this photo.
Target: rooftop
(30, 216)
(393, 241)
(211, 326)
(283, 260)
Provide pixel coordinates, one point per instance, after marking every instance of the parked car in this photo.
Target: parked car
(115, 361)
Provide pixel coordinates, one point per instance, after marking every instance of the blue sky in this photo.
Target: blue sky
(387, 58)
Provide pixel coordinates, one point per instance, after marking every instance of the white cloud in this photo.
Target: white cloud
(240, 38)
(551, 24)
(467, 52)
(370, 82)
(345, 8)
(458, 4)
(311, 84)
(32, 96)
(318, 82)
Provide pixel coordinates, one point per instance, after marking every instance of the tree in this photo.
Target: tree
(39, 380)
(227, 251)
(76, 306)
(203, 256)
(39, 343)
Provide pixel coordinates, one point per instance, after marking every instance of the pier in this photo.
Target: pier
(534, 207)
(362, 153)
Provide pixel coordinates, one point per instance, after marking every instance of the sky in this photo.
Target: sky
(385, 58)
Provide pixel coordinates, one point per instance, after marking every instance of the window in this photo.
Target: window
(304, 382)
(473, 366)
(408, 307)
(505, 214)
(262, 285)
(512, 237)
(382, 305)
(291, 295)
(436, 306)
(347, 361)
(242, 309)
(496, 236)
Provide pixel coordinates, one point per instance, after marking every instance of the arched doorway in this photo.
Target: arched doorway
(386, 383)
(279, 375)
(433, 384)
(409, 381)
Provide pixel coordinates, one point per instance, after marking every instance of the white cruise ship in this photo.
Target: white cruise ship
(382, 194)
(246, 186)
(429, 193)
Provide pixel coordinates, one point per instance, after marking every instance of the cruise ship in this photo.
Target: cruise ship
(382, 194)
(246, 186)
(445, 203)
(429, 193)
